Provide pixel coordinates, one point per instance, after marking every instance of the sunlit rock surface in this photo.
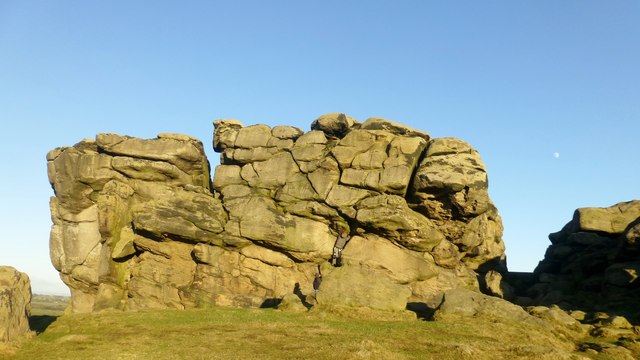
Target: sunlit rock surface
(139, 224)
(15, 303)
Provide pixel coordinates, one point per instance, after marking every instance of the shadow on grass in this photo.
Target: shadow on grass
(271, 303)
(422, 310)
(40, 323)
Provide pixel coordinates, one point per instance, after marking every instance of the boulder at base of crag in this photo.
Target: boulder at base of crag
(15, 303)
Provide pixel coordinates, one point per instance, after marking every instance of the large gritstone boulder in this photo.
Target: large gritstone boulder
(138, 224)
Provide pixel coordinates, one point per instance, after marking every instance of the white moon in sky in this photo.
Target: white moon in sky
(556, 154)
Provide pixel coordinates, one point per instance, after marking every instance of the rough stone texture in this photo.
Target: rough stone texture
(139, 224)
(334, 124)
(611, 220)
(450, 188)
(593, 263)
(493, 284)
(15, 303)
(466, 303)
(556, 316)
(358, 286)
(126, 216)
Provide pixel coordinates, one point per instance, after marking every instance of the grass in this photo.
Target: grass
(226, 333)
(229, 333)
(45, 309)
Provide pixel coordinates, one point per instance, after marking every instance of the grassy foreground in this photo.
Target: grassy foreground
(226, 333)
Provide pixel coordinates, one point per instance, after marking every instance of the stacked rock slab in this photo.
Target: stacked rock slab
(127, 216)
(15, 303)
(138, 225)
(593, 263)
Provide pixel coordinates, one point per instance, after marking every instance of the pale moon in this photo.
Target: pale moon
(556, 155)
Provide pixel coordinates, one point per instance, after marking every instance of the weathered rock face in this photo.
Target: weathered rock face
(15, 303)
(136, 224)
(465, 303)
(593, 263)
(126, 217)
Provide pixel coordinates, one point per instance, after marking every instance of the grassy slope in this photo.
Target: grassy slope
(224, 333)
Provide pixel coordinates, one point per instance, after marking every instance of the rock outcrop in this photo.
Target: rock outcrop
(593, 263)
(15, 303)
(138, 224)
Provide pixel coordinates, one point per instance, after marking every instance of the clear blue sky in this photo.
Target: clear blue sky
(519, 80)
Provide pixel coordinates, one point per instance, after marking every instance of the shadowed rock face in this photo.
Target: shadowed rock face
(137, 223)
(593, 263)
(15, 303)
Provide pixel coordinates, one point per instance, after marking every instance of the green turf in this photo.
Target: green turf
(226, 333)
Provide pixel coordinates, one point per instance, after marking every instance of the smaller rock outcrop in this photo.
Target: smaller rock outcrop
(15, 303)
(593, 263)
(551, 332)
(466, 303)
